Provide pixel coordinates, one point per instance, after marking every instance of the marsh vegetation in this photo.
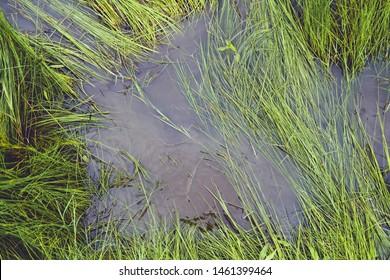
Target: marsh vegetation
(266, 83)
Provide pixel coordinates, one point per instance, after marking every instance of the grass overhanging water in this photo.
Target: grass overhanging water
(262, 82)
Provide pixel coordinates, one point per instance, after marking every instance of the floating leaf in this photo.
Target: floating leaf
(85, 158)
(46, 95)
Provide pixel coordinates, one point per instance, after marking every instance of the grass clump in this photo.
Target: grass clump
(144, 20)
(76, 36)
(42, 177)
(94, 38)
(345, 32)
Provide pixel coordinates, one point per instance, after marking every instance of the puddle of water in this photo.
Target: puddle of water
(183, 174)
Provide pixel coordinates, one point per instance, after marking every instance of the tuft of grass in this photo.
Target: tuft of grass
(93, 38)
(147, 21)
(80, 37)
(42, 175)
(345, 32)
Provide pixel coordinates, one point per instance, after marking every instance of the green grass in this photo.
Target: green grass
(42, 189)
(83, 39)
(346, 32)
(102, 37)
(266, 83)
(262, 82)
(148, 21)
